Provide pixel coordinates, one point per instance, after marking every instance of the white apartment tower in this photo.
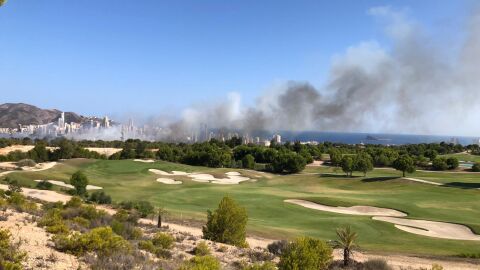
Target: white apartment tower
(277, 138)
(61, 121)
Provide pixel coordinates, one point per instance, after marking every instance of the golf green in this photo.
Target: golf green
(270, 216)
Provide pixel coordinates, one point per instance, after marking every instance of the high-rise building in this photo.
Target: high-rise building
(106, 122)
(61, 121)
(277, 138)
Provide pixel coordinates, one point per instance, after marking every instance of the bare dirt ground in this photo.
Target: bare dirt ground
(35, 241)
(21, 148)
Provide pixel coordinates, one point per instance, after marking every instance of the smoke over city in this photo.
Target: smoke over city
(412, 87)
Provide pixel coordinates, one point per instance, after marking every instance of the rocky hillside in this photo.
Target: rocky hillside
(13, 114)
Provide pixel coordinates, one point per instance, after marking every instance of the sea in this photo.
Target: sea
(374, 138)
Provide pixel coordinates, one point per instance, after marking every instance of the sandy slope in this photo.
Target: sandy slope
(35, 241)
(21, 148)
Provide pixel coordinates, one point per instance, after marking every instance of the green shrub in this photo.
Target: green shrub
(81, 221)
(470, 255)
(147, 245)
(277, 247)
(202, 249)
(6, 265)
(439, 164)
(163, 253)
(101, 240)
(476, 167)
(74, 202)
(126, 230)
(20, 202)
(306, 254)
(163, 240)
(201, 263)
(26, 163)
(16, 199)
(45, 185)
(144, 208)
(100, 197)
(227, 224)
(248, 162)
(131, 216)
(158, 250)
(376, 264)
(53, 222)
(264, 266)
(10, 256)
(80, 181)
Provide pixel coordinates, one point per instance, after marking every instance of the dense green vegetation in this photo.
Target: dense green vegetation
(307, 254)
(227, 224)
(269, 216)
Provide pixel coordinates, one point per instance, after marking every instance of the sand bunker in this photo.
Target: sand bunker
(44, 195)
(36, 168)
(8, 165)
(232, 178)
(353, 210)
(423, 181)
(40, 167)
(65, 185)
(21, 148)
(107, 151)
(432, 228)
(174, 173)
(168, 181)
(145, 160)
(421, 227)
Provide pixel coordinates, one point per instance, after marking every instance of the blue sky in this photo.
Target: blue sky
(151, 56)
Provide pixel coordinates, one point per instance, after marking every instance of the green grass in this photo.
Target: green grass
(269, 216)
(463, 157)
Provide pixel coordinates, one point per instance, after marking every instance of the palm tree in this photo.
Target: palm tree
(346, 241)
(161, 212)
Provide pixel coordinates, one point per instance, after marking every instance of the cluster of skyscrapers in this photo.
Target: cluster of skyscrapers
(59, 128)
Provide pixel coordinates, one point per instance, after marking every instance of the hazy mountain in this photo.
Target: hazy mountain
(13, 114)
